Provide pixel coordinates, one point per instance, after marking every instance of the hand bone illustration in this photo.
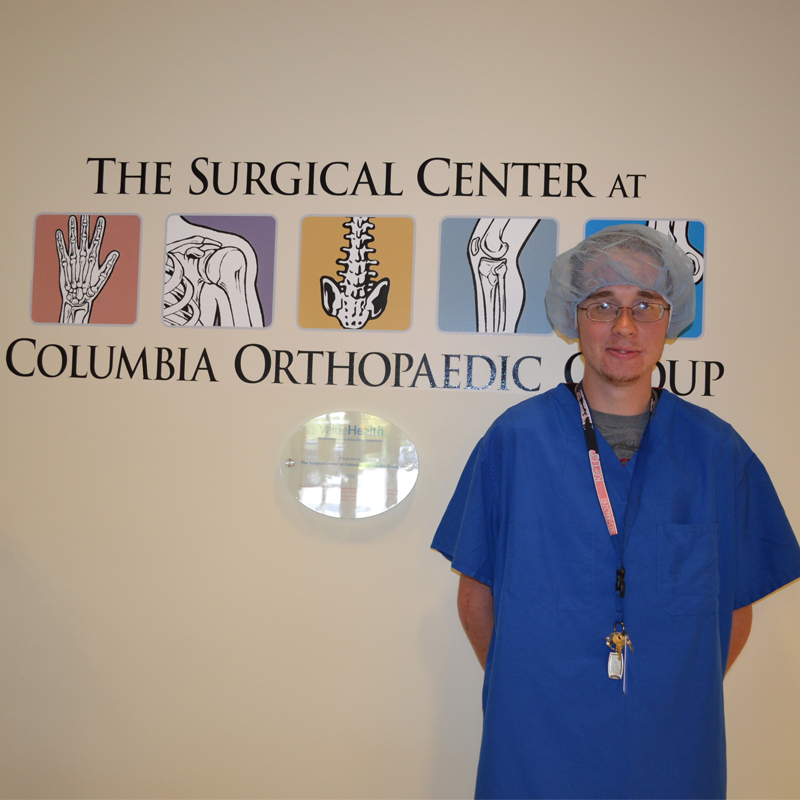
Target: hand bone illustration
(678, 231)
(493, 252)
(357, 298)
(207, 283)
(81, 277)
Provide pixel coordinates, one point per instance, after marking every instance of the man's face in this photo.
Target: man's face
(623, 351)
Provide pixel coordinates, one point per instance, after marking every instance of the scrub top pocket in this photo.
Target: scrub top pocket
(688, 574)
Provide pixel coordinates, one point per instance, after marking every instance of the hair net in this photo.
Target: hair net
(621, 255)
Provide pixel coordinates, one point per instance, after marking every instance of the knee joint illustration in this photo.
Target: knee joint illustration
(493, 253)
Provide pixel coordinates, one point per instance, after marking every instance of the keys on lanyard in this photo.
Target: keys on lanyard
(619, 642)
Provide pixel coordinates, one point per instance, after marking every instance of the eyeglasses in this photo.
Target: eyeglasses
(643, 311)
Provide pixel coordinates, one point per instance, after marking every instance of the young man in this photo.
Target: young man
(611, 540)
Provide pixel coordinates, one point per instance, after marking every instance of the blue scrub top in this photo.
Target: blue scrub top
(710, 536)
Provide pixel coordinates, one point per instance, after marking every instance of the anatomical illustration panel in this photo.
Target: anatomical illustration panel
(493, 273)
(86, 269)
(356, 273)
(219, 271)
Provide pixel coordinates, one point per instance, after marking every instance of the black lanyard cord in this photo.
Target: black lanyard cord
(618, 538)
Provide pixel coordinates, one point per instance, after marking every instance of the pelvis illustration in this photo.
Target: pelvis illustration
(357, 297)
(493, 253)
(209, 278)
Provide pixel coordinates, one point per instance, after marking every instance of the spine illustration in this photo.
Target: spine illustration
(357, 297)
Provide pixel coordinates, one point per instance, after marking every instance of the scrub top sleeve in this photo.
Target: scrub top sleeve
(768, 555)
(465, 534)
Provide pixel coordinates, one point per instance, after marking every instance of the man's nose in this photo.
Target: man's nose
(624, 323)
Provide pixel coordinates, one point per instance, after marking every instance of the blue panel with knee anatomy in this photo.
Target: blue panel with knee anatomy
(493, 274)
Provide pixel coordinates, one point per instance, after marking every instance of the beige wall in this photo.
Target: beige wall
(175, 624)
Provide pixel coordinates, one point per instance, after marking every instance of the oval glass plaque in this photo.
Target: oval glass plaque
(349, 464)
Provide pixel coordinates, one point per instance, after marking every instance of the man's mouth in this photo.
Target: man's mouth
(622, 352)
